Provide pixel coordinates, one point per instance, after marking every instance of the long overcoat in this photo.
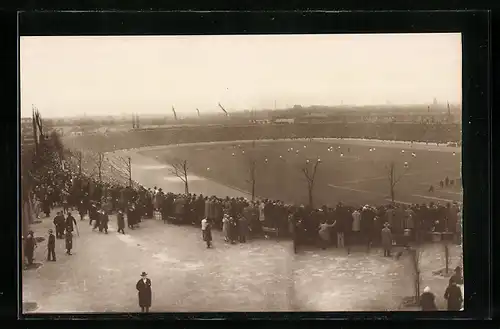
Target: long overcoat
(144, 292)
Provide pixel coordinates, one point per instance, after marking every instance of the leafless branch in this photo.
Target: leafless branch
(179, 169)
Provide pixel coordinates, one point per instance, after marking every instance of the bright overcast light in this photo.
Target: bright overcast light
(70, 76)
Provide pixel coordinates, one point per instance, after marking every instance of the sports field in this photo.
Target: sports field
(351, 171)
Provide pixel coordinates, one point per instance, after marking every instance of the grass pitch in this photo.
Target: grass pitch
(354, 172)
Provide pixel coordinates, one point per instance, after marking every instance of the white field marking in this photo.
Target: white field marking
(356, 190)
(396, 201)
(176, 179)
(152, 167)
(434, 198)
(377, 178)
(451, 192)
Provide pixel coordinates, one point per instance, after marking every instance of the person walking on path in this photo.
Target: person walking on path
(143, 287)
(324, 233)
(453, 295)
(206, 229)
(243, 229)
(457, 276)
(69, 242)
(428, 300)
(70, 221)
(51, 247)
(120, 221)
(386, 239)
(59, 222)
(104, 221)
(225, 227)
(30, 245)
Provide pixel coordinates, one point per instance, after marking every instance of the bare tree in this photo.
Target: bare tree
(446, 247)
(179, 168)
(393, 178)
(309, 172)
(128, 168)
(98, 159)
(252, 169)
(415, 257)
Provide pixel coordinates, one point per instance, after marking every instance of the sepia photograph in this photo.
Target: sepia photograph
(241, 173)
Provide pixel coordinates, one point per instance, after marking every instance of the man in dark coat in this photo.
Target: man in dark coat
(70, 221)
(104, 221)
(457, 276)
(120, 221)
(242, 229)
(453, 295)
(143, 287)
(69, 242)
(30, 245)
(59, 223)
(46, 205)
(130, 217)
(51, 247)
(82, 210)
(367, 216)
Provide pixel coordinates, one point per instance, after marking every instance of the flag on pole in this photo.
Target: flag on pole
(198, 112)
(223, 109)
(175, 114)
(35, 131)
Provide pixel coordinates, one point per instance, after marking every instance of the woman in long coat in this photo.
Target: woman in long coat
(232, 230)
(386, 239)
(143, 287)
(69, 242)
(225, 227)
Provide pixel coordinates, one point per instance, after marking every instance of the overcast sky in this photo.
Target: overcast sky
(70, 76)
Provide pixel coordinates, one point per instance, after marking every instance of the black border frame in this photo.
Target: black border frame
(476, 155)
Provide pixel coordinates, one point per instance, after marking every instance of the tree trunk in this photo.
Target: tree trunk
(447, 257)
(186, 186)
(417, 287)
(253, 189)
(310, 190)
(392, 194)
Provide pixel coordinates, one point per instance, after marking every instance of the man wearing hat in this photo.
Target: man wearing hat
(143, 287)
(30, 245)
(120, 219)
(51, 247)
(70, 221)
(59, 222)
(386, 240)
(104, 219)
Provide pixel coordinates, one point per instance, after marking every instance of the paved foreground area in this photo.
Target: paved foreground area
(262, 275)
(101, 274)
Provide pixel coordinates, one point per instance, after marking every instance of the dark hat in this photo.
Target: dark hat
(50, 231)
(144, 274)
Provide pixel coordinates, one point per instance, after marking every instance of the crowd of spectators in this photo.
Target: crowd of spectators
(435, 133)
(346, 225)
